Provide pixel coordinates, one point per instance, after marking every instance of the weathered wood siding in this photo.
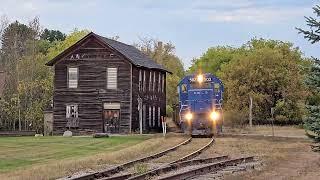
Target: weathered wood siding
(152, 98)
(92, 59)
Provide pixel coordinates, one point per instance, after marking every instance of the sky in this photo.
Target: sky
(191, 25)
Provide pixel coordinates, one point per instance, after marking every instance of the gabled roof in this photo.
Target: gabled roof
(2, 81)
(135, 56)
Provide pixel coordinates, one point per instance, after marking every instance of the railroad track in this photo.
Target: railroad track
(209, 168)
(114, 170)
(180, 161)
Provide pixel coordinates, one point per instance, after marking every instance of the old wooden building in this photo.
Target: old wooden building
(103, 85)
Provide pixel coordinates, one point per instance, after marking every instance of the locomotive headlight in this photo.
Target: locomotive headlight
(189, 116)
(200, 78)
(214, 115)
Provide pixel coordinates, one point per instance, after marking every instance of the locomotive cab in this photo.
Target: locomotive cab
(200, 104)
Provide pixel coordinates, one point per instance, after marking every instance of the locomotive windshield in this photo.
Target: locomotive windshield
(204, 85)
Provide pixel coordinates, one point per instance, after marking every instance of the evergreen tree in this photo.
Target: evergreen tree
(312, 121)
(313, 34)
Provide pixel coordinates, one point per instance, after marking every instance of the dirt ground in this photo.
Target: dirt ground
(280, 159)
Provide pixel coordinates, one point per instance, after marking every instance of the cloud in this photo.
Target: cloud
(259, 15)
(241, 11)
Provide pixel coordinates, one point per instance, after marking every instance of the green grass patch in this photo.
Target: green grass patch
(18, 152)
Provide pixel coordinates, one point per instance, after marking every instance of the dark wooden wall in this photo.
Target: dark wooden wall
(149, 98)
(92, 59)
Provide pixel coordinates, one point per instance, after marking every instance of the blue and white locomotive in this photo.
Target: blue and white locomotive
(200, 104)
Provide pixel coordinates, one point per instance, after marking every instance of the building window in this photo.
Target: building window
(144, 80)
(72, 111)
(140, 80)
(163, 79)
(154, 116)
(112, 75)
(159, 83)
(150, 81)
(150, 116)
(72, 77)
(154, 81)
(159, 116)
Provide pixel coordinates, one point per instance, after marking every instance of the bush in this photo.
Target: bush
(169, 111)
(235, 118)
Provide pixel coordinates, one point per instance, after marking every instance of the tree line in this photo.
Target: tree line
(24, 50)
(275, 74)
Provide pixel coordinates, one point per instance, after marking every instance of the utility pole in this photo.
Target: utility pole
(250, 112)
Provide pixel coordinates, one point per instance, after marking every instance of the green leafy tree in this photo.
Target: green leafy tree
(164, 54)
(267, 70)
(312, 121)
(52, 35)
(213, 59)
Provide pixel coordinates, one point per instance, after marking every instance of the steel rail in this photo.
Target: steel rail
(176, 163)
(189, 156)
(208, 168)
(121, 167)
(176, 166)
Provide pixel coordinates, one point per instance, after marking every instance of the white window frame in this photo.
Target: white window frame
(68, 111)
(73, 83)
(114, 85)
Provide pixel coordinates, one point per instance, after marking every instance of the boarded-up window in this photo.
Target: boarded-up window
(72, 111)
(72, 77)
(112, 76)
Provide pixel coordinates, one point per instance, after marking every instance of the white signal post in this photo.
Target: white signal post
(164, 125)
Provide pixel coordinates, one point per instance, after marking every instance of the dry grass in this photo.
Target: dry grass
(61, 168)
(281, 159)
(293, 131)
(184, 150)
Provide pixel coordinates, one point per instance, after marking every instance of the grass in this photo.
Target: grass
(294, 131)
(54, 157)
(17, 152)
(288, 159)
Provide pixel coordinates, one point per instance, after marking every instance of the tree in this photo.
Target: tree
(312, 35)
(213, 59)
(53, 35)
(164, 54)
(312, 120)
(267, 70)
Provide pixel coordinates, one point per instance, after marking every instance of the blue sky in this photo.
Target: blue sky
(191, 25)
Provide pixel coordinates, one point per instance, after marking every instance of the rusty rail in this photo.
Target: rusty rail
(121, 167)
(177, 163)
(208, 168)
